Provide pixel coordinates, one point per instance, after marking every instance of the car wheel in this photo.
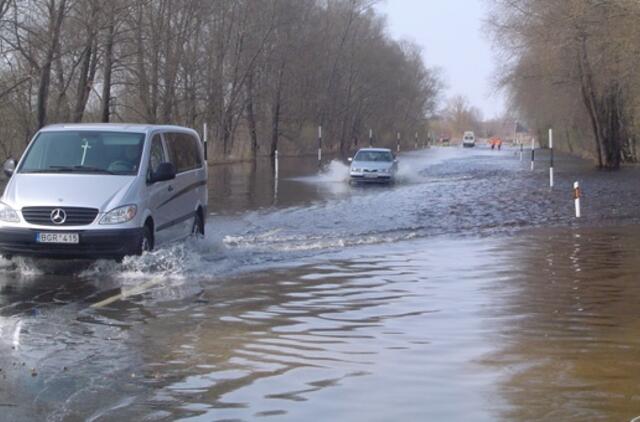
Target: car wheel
(146, 242)
(198, 226)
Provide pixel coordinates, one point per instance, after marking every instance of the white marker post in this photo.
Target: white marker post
(521, 150)
(276, 176)
(204, 140)
(416, 139)
(533, 152)
(398, 142)
(577, 193)
(319, 145)
(551, 158)
(370, 138)
(276, 164)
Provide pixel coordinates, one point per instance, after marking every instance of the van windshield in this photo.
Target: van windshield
(373, 156)
(80, 151)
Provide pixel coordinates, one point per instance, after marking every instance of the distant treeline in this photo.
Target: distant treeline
(573, 65)
(263, 74)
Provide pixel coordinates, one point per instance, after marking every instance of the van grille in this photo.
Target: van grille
(75, 216)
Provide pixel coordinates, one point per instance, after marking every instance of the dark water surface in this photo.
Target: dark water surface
(466, 291)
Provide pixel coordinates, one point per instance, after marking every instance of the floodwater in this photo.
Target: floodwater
(466, 291)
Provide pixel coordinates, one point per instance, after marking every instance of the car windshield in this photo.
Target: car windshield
(82, 151)
(374, 156)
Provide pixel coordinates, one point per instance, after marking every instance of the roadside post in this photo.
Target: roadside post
(370, 138)
(398, 142)
(577, 193)
(551, 158)
(521, 150)
(416, 140)
(204, 140)
(533, 152)
(276, 176)
(319, 145)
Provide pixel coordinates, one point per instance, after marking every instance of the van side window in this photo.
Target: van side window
(183, 151)
(156, 154)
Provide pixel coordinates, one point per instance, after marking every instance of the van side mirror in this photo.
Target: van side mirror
(165, 171)
(9, 167)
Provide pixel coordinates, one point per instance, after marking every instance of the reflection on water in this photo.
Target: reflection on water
(250, 185)
(359, 339)
(569, 324)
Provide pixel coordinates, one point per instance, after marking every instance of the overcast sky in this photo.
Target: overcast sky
(451, 35)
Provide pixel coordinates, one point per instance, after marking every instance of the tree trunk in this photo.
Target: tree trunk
(251, 117)
(55, 25)
(108, 70)
(588, 97)
(275, 116)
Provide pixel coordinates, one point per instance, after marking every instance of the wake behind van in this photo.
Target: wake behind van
(103, 191)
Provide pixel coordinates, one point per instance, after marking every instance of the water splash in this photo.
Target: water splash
(334, 172)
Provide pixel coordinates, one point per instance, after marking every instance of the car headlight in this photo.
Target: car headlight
(119, 215)
(8, 214)
(356, 170)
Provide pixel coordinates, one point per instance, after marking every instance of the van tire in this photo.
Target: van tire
(146, 241)
(198, 225)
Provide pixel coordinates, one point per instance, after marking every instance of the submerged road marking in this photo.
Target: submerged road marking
(125, 293)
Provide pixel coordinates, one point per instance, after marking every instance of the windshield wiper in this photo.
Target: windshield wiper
(93, 169)
(71, 169)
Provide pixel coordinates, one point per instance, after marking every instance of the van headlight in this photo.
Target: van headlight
(8, 214)
(120, 215)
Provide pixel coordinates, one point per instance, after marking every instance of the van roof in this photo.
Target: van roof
(114, 127)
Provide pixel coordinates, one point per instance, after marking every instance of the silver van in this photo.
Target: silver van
(469, 140)
(103, 191)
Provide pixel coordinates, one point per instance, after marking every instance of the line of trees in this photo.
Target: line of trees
(457, 117)
(572, 65)
(263, 74)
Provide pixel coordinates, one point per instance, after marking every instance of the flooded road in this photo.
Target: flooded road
(466, 291)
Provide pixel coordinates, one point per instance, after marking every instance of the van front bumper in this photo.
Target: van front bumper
(93, 244)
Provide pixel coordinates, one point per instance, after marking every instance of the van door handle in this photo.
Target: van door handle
(170, 188)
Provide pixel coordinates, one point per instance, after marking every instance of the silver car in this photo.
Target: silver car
(377, 165)
(103, 191)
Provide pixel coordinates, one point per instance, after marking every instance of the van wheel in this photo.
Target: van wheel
(198, 226)
(146, 243)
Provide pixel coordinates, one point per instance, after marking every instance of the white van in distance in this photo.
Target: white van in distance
(103, 191)
(469, 139)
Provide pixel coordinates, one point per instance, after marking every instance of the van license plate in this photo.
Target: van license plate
(44, 237)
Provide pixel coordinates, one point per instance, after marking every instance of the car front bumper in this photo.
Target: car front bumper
(93, 244)
(376, 178)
